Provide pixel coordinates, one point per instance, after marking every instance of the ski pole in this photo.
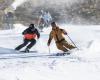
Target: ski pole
(73, 42)
(49, 49)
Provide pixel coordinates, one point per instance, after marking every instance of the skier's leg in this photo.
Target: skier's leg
(41, 27)
(46, 23)
(65, 43)
(22, 45)
(61, 47)
(33, 42)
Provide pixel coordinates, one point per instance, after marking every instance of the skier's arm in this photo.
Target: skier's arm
(64, 32)
(25, 31)
(50, 39)
(38, 34)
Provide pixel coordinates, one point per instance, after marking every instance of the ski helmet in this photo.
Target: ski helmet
(31, 26)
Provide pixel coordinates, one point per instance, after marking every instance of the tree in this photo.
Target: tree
(4, 4)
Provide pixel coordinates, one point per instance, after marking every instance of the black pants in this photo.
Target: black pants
(26, 41)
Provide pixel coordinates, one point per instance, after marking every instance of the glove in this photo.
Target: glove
(38, 36)
(65, 33)
(49, 42)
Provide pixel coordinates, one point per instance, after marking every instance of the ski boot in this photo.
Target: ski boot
(26, 50)
(60, 54)
(66, 53)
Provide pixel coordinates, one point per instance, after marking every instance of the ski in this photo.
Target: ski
(62, 54)
(28, 52)
(32, 54)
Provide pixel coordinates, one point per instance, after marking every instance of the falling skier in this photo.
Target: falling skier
(60, 41)
(29, 36)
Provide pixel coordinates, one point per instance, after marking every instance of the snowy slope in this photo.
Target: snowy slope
(83, 64)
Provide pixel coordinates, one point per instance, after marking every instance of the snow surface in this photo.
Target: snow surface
(83, 64)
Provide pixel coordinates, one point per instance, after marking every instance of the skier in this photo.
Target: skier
(47, 18)
(57, 34)
(29, 36)
(41, 23)
(44, 20)
(9, 19)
